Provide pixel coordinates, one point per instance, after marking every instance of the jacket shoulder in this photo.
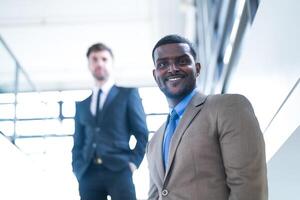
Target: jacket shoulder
(228, 103)
(87, 100)
(126, 89)
(228, 99)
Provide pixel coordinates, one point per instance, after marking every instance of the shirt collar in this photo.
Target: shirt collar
(180, 107)
(105, 87)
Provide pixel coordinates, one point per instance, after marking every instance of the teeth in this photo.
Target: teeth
(174, 79)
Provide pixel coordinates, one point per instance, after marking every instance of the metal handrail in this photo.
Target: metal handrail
(18, 69)
(282, 104)
(18, 65)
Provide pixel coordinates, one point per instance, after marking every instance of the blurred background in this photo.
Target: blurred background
(245, 46)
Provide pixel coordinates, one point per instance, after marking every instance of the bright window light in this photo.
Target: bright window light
(227, 55)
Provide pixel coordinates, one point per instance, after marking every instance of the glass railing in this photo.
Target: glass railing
(7, 70)
(13, 79)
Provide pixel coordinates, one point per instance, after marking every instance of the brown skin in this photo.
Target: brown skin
(100, 65)
(175, 71)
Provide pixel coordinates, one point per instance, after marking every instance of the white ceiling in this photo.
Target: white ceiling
(50, 37)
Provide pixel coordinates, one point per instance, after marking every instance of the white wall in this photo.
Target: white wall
(283, 170)
(268, 69)
(270, 64)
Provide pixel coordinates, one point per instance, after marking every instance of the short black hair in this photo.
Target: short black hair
(170, 39)
(99, 47)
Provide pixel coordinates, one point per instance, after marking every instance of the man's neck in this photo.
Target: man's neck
(100, 84)
(105, 85)
(172, 102)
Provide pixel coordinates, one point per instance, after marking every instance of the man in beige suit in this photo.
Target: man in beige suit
(211, 147)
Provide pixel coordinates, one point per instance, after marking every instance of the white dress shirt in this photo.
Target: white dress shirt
(105, 90)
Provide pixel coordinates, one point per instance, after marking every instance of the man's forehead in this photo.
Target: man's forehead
(102, 53)
(171, 50)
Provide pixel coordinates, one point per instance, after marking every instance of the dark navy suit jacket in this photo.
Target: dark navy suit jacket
(108, 136)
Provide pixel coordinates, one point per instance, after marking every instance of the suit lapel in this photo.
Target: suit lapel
(191, 111)
(158, 153)
(87, 114)
(110, 97)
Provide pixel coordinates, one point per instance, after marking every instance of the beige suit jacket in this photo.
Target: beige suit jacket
(217, 153)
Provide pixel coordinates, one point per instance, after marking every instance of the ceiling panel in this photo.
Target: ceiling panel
(50, 37)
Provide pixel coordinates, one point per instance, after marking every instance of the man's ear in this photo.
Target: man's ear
(154, 74)
(198, 68)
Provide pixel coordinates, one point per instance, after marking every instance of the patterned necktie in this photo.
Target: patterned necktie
(98, 103)
(168, 136)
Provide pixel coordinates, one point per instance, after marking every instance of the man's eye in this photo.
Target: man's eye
(183, 61)
(162, 65)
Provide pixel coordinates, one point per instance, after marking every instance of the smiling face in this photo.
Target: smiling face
(175, 71)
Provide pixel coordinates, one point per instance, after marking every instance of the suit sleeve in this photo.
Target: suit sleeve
(78, 137)
(243, 150)
(137, 126)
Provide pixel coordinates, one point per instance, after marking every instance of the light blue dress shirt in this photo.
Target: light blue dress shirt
(179, 108)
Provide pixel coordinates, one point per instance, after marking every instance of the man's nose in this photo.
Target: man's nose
(173, 67)
(100, 63)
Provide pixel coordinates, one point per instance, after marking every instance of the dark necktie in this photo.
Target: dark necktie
(98, 103)
(168, 136)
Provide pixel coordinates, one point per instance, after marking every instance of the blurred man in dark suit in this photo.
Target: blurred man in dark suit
(102, 159)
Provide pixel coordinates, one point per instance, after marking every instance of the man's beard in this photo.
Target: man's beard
(179, 95)
(100, 78)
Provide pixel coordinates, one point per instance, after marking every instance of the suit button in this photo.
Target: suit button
(98, 161)
(98, 130)
(165, 192)
(94, 145)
